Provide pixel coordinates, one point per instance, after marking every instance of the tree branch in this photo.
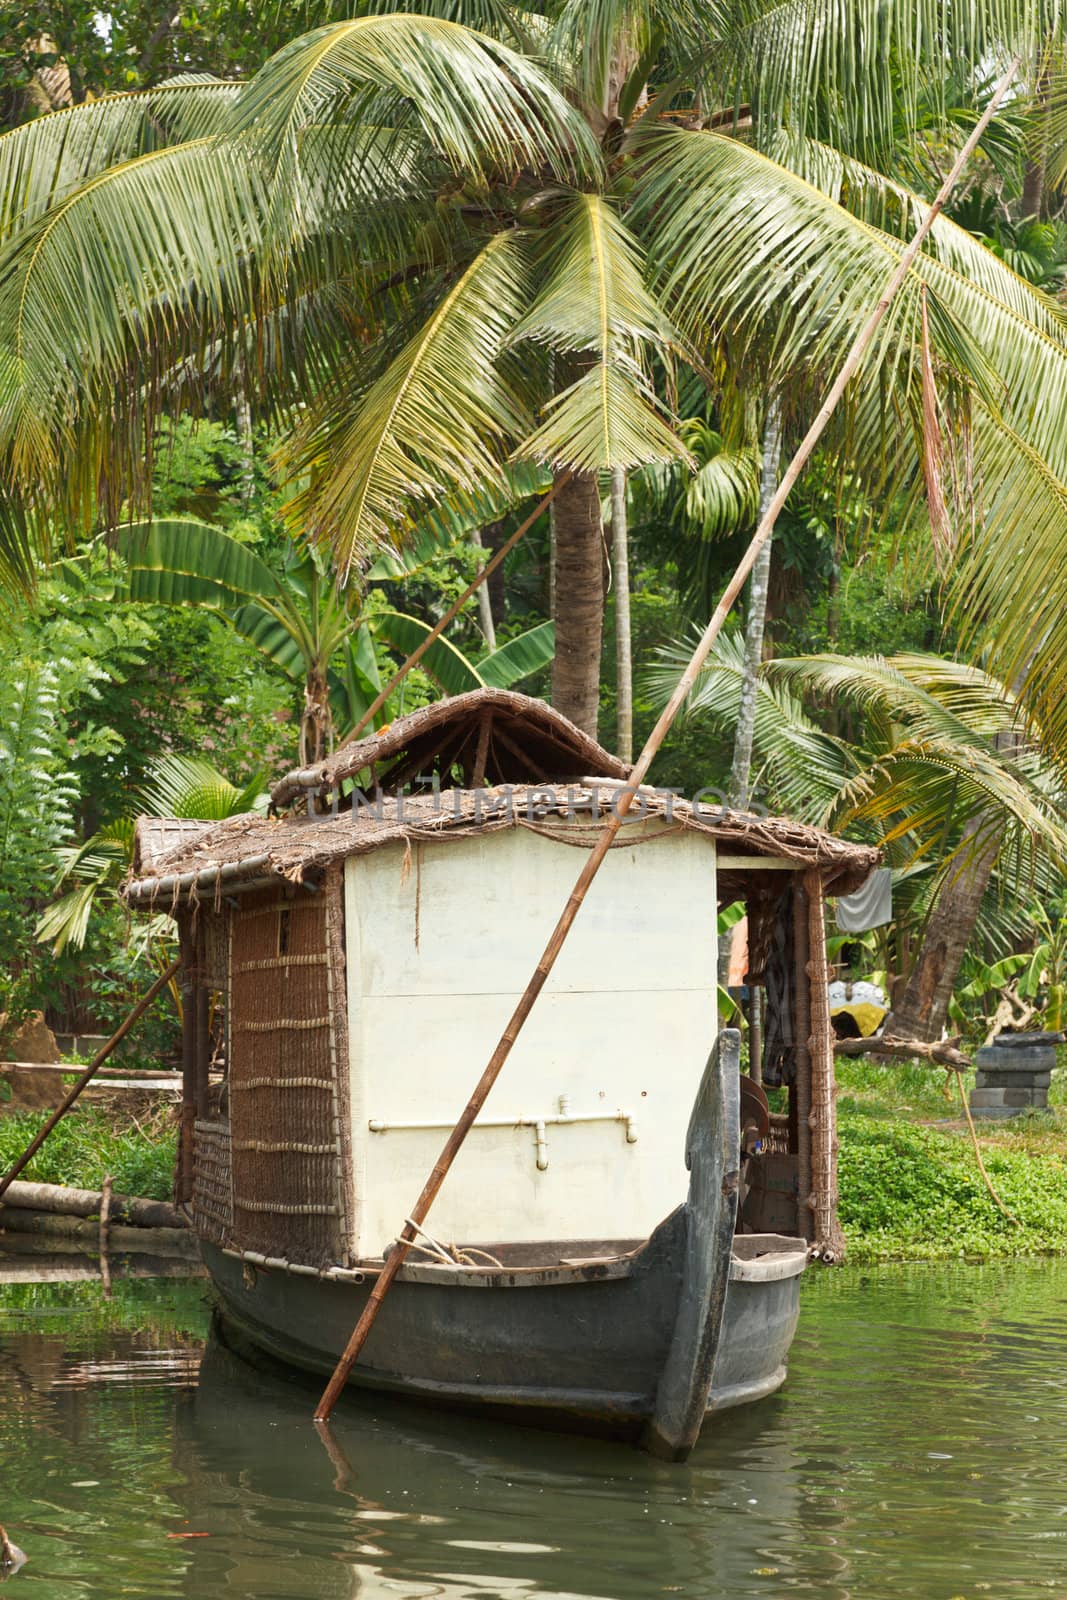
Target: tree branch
(940, 1053)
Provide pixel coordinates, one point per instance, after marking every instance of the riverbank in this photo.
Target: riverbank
(910, 1187)
(909, 1183)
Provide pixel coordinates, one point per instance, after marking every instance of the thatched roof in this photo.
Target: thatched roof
(493, 736)
(157, 837)
(255, 850)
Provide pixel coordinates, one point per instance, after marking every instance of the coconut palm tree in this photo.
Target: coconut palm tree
(946, 778)
(433, 250)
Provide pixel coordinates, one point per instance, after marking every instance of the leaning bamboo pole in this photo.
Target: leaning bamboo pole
(625, 797)
(310, 777)
(87, 1076)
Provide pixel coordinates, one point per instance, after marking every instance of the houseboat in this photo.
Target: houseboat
(619, 1244)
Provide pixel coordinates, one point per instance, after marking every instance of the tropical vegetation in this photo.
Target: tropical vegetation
(298, 322)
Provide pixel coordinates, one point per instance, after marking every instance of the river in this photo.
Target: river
(918, 1449)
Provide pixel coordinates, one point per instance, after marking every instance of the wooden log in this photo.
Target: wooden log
(58, 1200)
(87, 1076)
(45, 1225)
(940, 1053)
(625, 799)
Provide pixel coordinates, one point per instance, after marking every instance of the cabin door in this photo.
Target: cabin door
(288, 1195)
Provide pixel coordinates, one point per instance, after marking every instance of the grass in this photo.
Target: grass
(910, 1188)
(92, 1142)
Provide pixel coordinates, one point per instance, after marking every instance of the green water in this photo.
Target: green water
(919, 1449)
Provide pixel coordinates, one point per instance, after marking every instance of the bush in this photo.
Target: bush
(909, 1193)
(90, 1143)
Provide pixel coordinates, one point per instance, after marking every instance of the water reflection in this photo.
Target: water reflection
(917, 1450)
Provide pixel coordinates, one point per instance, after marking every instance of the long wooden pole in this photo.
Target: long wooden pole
(87, 1076)
(624, 798)
(479, 578)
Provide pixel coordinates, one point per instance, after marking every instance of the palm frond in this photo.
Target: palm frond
(1009, 586)
(722, 496)
(454, 518)
(594, 306)
(831, 74)
(606, 419)
(891, 690)
(373, 464)
(184, 786)
(478, 103)
(892, 208)
(802, 768)
(742, 250)
(918, 786)
(153, 255)
(47, 158)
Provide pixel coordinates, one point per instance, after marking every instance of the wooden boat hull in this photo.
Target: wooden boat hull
(637, 1339)
(579, 1354)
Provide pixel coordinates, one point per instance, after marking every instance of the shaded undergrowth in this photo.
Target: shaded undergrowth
(92, 1142)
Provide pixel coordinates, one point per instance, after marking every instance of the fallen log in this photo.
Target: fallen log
(60, 1201)
(46, 1225)
(941, 1053)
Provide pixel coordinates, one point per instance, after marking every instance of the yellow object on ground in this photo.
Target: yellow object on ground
(867, 1017)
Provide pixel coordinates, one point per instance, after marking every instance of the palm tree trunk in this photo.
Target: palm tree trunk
(485, 603)
(922, 1009)
(246, 443)
(579, 613)
(756, 617)
(1035, 168)
(624, 675)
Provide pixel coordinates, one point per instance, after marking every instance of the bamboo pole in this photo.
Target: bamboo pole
(87, 1076)
(624, 798)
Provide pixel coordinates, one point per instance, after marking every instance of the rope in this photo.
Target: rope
(978, 1155)
(448, 1255)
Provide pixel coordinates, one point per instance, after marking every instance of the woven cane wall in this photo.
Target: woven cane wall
(285, 1134)
(213, 1197)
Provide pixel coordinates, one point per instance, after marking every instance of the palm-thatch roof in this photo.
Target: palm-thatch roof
(254, 850)
(491, 736)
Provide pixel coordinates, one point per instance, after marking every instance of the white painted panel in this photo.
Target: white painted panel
(439, 951)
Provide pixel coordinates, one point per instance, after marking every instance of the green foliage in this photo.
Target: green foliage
(177, 786)
(37, 797)
(910, 1193)
(113, 48)
(89, 1144)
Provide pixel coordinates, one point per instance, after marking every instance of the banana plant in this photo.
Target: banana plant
(318, 634)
